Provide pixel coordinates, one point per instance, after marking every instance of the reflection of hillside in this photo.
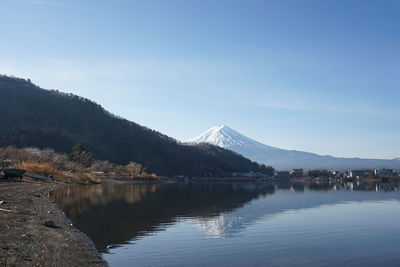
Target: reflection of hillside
(82, 198)
(117, 214)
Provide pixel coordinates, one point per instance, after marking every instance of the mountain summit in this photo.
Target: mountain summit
(282, 159)
(223, 136)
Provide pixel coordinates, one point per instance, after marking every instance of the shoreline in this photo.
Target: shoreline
(24, 238)
(26, 241)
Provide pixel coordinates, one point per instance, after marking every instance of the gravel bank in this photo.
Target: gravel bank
(24, 238)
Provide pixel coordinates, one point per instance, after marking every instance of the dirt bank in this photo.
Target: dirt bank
(24, 238)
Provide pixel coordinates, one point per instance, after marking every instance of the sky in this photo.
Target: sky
(315, 75)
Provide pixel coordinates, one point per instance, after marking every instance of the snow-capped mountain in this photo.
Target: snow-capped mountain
(282, 159)
(225, 137)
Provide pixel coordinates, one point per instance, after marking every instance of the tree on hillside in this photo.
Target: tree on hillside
(81, 155)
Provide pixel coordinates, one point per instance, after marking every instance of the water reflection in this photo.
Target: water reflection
(118, 214)
(115, 214)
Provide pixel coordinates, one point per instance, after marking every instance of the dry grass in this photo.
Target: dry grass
(45, 168)
(65, 169)
(80, 177)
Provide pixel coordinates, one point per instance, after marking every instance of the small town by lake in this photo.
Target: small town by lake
(239, 223)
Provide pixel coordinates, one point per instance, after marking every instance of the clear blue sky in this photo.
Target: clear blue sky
(313, 75)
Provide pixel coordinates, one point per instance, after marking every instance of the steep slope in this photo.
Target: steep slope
(31, 116)
(282, 159)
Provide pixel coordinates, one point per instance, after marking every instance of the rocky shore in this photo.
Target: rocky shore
(34, 232)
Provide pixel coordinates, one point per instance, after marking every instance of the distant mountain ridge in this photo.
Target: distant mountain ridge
(32, 116)
(282, 159)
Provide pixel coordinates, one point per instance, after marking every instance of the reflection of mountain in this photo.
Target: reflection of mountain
(224, 225)
(118, 214)
(229, 224)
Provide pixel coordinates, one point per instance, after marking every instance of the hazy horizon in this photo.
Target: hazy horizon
(316, 76)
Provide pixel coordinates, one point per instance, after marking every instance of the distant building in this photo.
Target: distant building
(384, 172)
(357, 173)
(296, 172)
(337, 174)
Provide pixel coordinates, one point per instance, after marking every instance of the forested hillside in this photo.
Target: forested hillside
(31, 116)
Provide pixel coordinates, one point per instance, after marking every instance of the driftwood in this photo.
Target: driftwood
(5, 210)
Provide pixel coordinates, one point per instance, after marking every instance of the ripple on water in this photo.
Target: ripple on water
(223, 225)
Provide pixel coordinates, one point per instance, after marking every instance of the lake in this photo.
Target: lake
(239, 224)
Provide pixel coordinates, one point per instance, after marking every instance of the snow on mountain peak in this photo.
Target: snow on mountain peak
(223, 136)
(282, 159)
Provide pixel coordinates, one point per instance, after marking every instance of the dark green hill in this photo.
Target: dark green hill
(31, 116)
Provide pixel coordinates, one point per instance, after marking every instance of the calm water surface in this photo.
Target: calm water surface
(239, 224)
